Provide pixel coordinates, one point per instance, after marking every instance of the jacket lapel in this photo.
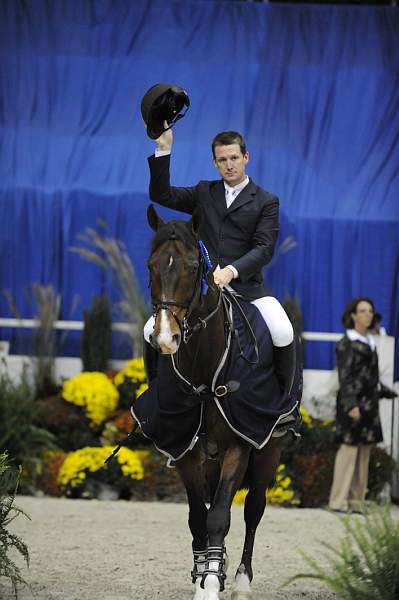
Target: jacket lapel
(219, 195)
(243, 197)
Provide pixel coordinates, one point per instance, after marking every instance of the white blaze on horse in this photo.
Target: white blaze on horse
(193, 329)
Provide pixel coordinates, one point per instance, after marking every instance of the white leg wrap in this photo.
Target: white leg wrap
(276, 319)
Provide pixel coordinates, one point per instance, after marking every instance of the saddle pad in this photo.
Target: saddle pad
(172, 419)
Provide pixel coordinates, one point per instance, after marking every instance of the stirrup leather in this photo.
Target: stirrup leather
(215, 554)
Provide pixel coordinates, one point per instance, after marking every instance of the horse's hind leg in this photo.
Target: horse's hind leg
(263, 467)
(189, 468)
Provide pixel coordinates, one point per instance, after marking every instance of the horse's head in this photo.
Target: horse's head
(175, 267)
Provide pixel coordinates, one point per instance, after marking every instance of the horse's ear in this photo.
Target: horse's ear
(196, 220)
(153, 218)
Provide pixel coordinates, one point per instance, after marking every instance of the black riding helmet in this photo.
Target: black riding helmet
(163, 102)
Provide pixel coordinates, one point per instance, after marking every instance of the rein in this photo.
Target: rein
(189, 330)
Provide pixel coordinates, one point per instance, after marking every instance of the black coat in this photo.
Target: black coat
(359, 385)
(243, 235)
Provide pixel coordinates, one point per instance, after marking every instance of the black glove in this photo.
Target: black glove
(386, 392)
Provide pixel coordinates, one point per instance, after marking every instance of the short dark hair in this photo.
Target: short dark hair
(226, 138)
(351, 307)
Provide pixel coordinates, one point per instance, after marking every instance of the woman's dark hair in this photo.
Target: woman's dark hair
(226, 138)
(347, 319)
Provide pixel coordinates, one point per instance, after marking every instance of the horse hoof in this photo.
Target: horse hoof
(242, 587)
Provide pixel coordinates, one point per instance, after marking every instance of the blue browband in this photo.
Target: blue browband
(205, 253)
(209, 265)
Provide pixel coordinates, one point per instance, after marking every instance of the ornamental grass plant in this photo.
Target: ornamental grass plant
(43, 343)
(366, 564)
(24, 440)
(111, 255)
(9, 479)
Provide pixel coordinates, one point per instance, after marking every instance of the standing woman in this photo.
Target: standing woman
(358, 421)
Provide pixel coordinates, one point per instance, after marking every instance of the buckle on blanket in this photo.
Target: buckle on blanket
(221, 391)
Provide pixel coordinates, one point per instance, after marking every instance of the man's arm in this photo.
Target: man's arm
(160, 190)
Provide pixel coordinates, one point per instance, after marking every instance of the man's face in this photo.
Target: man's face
(231, 162)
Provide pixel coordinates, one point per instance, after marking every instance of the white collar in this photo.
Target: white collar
(354, 335)
(236, 188)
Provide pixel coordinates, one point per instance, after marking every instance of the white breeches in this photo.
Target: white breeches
(276, 319)
(273, 313)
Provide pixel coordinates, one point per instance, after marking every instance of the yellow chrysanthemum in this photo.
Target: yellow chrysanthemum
(94, 392)
(142, 389)
(133, 370)
(306, 417)
(240, 496)
(281, 493)
(80, 463)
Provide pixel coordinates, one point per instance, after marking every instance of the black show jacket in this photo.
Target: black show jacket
(243, 235)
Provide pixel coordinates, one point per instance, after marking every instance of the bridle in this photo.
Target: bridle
(186, 329)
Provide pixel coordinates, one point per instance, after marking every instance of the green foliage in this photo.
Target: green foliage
(22, 439)
(159, 482)
(66, 422)
(9, 479)
(96, 336)
(380, 472)
(366, 565)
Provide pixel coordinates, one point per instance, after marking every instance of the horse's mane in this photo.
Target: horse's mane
(179, 230)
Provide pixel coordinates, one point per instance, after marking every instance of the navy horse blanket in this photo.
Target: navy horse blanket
(171, 414)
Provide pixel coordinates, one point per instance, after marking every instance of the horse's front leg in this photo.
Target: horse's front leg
(235, 462)
(191, 473)
(263, 467)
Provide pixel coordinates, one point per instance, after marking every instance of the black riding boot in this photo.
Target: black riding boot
(284, 364)
(150, 361)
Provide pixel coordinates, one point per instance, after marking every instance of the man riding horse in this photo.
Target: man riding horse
(214, 405)
(239, 227)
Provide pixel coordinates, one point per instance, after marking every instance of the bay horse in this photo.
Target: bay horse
(212, 471)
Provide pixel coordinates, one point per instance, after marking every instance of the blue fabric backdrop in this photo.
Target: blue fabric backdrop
(314, 89)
